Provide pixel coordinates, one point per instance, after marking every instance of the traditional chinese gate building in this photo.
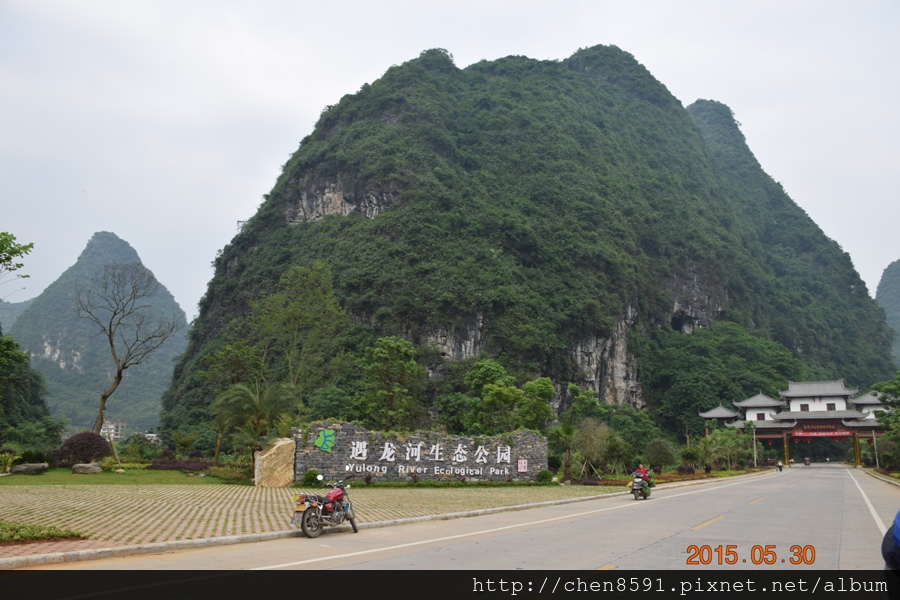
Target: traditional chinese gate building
(814, 409)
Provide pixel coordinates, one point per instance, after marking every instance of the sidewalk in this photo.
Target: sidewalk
(121, 520)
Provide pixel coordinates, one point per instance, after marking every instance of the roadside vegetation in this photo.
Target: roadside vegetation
(12, 533)
(61, 476)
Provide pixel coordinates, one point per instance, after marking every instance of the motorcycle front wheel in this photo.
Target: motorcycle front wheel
(310, 523)
(637, 494)
(353, 525)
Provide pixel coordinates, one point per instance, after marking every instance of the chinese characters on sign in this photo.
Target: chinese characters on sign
(461, 455)
(340, 449)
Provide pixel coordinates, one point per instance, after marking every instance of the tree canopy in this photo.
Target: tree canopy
(24, 418)
(10, 253)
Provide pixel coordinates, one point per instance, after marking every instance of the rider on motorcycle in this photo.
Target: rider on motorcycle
(640, 485)
(644, 474)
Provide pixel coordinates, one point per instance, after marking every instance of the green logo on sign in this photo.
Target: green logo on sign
(325, 440)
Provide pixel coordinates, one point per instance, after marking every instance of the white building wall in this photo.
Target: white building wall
(752, 414)
(818, 404)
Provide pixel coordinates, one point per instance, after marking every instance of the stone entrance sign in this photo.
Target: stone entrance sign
(337, 450)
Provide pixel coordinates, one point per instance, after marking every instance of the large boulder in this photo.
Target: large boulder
(29, 468)
(275, 466)
(87, 468)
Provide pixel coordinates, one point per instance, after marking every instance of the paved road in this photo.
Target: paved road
(836, 513)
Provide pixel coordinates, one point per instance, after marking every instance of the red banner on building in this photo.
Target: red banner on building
(822, 433)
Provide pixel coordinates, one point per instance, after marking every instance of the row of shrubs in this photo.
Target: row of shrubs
(88, 447)
(82, 447)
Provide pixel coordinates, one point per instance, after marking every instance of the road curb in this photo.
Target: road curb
(889, 480)
(36, 560)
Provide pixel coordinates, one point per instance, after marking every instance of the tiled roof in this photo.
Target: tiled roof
(806, 389)
(719, 412)
(869, 399)
(758, 401)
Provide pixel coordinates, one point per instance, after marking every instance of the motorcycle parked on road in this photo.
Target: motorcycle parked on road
(314, 512)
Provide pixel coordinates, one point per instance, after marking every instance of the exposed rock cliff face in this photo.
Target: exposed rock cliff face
(604, 365)
(698, 302)
(609, 368)
(64, 358)
(310, 201)
(459, 343)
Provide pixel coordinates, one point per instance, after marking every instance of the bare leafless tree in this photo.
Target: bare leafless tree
(119, 304)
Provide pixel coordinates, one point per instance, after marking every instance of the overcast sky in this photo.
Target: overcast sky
(166, 121)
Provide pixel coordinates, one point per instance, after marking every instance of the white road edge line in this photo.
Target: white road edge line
(875, 516)
(504, 528)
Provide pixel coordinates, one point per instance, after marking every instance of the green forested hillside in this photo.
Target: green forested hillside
(527, 208)
(76, 363)
(10, 311)
(802, 290)
(888, 297)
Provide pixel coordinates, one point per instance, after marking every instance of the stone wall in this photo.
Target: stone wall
(337, 450)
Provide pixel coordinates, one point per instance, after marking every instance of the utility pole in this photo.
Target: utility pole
(875, 443)
(752, 427)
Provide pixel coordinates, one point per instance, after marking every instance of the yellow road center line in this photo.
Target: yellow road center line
(710, 522)
(755, 501)
(606, 568)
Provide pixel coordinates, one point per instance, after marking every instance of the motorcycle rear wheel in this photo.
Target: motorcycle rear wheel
(353, 525)
(310, 523)
(637, 494)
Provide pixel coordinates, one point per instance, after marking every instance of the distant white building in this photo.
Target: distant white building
(760, 407)
(869, 405)
(114, 430)
(815, 396)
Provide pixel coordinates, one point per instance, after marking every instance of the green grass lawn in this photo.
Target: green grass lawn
(142, 477)
(13, 533)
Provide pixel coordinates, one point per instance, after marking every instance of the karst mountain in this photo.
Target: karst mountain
(569, 218)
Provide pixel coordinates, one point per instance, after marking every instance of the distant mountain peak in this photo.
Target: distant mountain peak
(76, 362)
(107, 248)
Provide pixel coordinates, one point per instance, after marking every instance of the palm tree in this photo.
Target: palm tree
(565, 433)
(249, 412)
(224, 423)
